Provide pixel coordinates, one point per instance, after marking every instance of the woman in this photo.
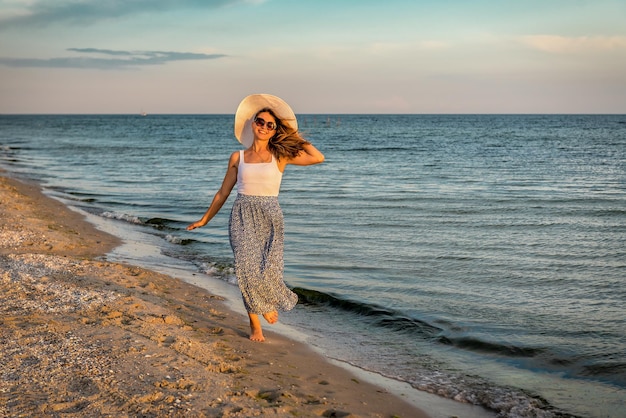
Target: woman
(268, 129)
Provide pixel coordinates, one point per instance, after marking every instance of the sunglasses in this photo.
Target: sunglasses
(260, 122)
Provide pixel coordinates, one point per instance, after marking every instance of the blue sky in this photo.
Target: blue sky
(322, 56)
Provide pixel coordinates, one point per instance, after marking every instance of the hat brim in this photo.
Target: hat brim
(250, 106)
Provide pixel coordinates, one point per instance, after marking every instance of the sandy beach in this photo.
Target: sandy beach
(82, 336)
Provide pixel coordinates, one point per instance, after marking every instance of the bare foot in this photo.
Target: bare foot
(257, 336)
(271, 317)
(256, 333)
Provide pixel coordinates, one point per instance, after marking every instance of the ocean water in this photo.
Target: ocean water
(478, 257)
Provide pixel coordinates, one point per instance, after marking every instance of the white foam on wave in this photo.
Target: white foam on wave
(226, 274)
(174, 239)
(122, 217)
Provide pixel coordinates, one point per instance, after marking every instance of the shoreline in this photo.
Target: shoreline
(83, 336)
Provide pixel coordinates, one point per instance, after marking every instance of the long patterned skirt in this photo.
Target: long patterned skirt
(256, 232)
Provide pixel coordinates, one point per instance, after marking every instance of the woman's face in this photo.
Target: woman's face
(264, 126)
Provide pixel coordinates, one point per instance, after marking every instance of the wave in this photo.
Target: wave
(377, 315)
(612, 372)
(400, 322)
(122, 217)
(74, 196)
(474, 344)
(161, 223)
(542, 358)
(157, 223)
(225, 271)
(178, 240)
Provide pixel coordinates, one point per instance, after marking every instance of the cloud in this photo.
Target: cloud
(46, 12)
(108, 59)
(574, 45)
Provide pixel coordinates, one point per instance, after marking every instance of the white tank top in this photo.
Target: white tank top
(258, 179)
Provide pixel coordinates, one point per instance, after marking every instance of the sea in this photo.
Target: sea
(479, 258)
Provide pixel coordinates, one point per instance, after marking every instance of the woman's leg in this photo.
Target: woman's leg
(271, 317)
(256, 332)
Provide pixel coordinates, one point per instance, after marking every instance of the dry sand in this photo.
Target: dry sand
(84, 337)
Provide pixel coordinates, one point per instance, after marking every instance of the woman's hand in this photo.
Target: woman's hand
(194, 225)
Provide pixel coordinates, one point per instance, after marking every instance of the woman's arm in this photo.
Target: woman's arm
(308, 156)
(230, 179)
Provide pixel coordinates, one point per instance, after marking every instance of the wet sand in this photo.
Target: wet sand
(82, 336)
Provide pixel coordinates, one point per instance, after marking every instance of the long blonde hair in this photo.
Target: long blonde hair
(286, 142)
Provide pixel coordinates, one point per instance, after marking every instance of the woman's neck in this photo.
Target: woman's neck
(259, 152)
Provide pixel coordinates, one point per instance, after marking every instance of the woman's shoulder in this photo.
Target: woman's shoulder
(234, 158)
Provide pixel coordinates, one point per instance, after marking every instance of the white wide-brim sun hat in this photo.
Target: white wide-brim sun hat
(250, 106)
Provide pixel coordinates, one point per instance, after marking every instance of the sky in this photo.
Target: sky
(321, 56)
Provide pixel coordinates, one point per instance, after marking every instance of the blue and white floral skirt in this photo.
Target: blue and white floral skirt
(256, 232)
